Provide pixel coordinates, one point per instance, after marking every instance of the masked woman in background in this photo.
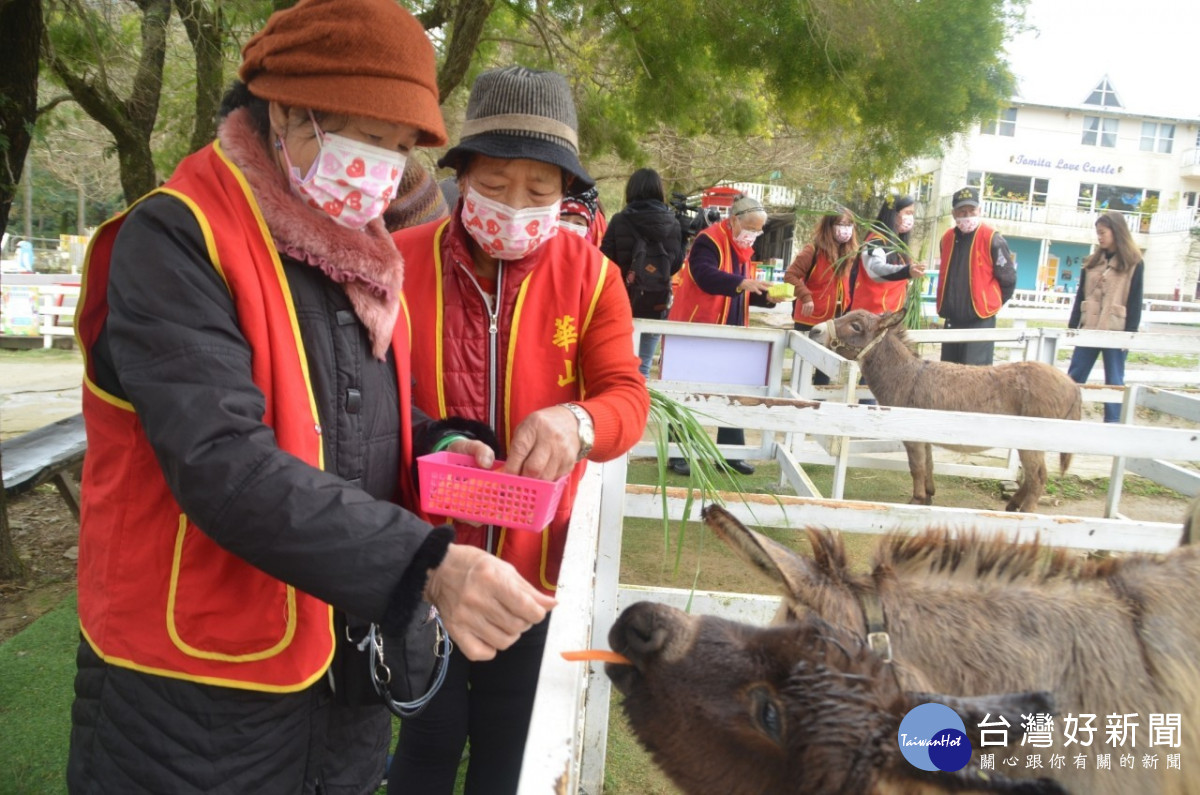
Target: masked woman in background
(714, 286)
(879, 279)
(821, 274)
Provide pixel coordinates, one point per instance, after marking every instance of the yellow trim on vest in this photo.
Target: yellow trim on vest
(284, 290)
(439, 318)
(210, 240)
(549, 586)
(110, 399)
(407, 316)
(513, 336)
(121, 662)
(587, 320)
(192, 651)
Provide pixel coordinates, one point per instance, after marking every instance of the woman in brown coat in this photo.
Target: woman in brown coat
(1109, 298)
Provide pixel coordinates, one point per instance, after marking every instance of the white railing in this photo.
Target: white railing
(565, 750)
(1071, 216)
(1190, 157)
(58, 311)
(1173, 220)
(1001, 210)
(769, 195)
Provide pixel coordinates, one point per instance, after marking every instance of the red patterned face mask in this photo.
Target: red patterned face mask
(351, 181)
(505, 233)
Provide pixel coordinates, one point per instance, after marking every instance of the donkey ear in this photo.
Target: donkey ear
(795, 574)
(890, 320)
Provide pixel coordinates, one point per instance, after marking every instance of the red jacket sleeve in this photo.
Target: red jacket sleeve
(617, 397)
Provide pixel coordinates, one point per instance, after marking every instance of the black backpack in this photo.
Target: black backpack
(650, 289)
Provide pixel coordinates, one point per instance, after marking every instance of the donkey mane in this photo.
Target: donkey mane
(939, 552)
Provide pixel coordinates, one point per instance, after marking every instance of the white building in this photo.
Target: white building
(1046, 171)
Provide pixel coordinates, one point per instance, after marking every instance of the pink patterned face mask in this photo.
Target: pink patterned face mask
(351, 181)
(505, 233)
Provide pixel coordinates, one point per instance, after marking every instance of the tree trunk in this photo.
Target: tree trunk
(205, 28)
(20, 37)
(131, 120)
(470, 17)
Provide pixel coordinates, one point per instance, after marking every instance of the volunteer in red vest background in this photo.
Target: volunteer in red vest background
(526, 328)
(977, 276)
(821, 274)
(716, 286)
(879, 279)
(247, 406)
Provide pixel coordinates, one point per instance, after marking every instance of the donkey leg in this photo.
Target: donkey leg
(918, 467)
(929, 489)
(1033, 482)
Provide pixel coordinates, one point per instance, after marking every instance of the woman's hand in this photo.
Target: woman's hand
(807, 308)
(754, 286)
(916, 270)
(484, 602)
(545, 445)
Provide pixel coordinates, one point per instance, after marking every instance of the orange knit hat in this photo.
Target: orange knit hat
(358, 57)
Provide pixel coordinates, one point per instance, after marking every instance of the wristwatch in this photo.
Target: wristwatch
(587, 430)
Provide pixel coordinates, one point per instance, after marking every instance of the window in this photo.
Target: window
(922, 188)
(1189, 200)
(1098, 198)
(1103, 95)
(1099, 131)
(1015, 188)
(975, 179)
(1157, 137)
(1005, 125)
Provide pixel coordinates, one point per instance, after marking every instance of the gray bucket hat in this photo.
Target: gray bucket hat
(515, 112)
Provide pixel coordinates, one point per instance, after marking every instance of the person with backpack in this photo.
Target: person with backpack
(646, 243)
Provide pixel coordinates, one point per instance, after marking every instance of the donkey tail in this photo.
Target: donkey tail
(1074, 412)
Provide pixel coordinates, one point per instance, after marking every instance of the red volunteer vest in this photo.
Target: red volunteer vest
(692, 304)
(877, 297)
(981, 277)
(829, 290)
(156, 594)
(538, 360)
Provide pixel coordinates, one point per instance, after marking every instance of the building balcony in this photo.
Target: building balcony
(1019, 213)
(1190, 167)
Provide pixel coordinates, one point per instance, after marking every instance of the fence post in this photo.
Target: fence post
(604, 613)
(1116, 479)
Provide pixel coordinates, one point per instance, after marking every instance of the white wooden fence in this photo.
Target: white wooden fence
(565, 751)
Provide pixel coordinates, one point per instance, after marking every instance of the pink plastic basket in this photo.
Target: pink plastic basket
(452, 486)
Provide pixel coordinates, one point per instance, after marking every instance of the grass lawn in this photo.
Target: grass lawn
(37, 668)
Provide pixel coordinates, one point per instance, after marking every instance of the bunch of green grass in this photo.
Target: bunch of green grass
(671, 421)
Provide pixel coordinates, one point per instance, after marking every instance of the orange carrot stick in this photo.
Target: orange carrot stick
(596, 655)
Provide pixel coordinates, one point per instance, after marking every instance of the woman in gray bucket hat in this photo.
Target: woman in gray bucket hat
(528, 331)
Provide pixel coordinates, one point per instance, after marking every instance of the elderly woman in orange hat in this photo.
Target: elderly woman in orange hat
(250, 435)
(524, 327)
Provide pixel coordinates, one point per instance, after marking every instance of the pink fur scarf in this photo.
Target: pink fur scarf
(366, 263)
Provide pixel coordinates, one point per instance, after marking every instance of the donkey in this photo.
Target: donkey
(968, 616)
(808, 708)
(898, 377)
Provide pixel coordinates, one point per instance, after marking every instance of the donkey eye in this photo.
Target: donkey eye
(766, 714)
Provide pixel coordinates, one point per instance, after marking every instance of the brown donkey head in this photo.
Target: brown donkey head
(729, 708)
